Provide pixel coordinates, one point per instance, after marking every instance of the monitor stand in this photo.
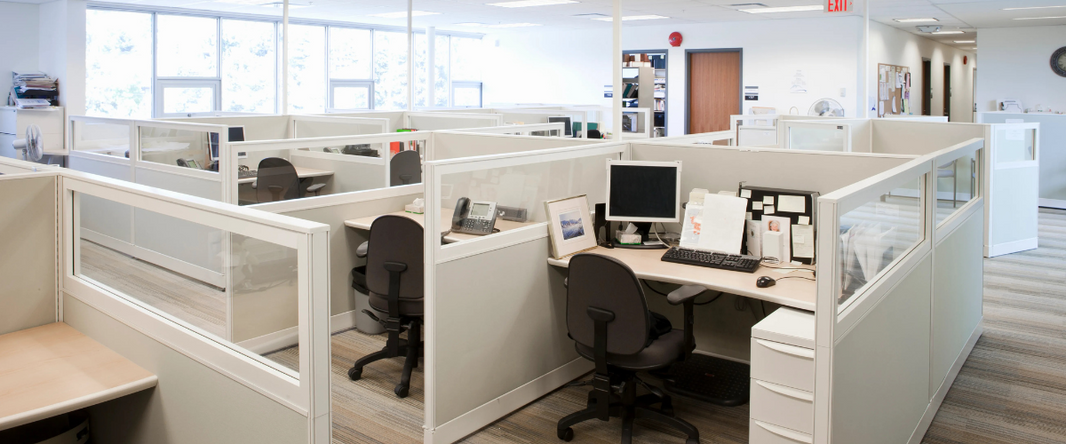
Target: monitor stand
(644, 229)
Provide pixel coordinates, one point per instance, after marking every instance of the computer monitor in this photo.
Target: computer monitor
(236, 134)
(643, 191)
(567, 128)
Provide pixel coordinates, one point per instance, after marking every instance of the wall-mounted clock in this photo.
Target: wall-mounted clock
(1058, 61)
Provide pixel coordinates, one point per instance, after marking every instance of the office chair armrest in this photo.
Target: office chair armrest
(315, 188)
(362, 250)
(684, 294)
(255, 185)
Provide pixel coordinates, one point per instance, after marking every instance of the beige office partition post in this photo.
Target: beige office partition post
(460, 143)
(898, 302)
(202, 376)
(495, 310)
(28, 235)
(327, 126)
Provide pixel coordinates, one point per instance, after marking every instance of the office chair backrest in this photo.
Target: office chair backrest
(396, 239)
(607, 284)
(405, 168)
(276, 180)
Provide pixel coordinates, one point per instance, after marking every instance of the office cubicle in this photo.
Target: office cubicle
(273, 126)
(1053, 159)
(142, 312)
(534, 129)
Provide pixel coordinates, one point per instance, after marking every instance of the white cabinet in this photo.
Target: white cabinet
(782, 378)
(13, 123)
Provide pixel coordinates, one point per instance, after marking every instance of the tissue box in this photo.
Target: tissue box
(627, 239)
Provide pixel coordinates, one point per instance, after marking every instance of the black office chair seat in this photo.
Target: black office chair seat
(409, 307)
(662, 352)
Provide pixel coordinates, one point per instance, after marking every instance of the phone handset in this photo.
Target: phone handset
(474, 217)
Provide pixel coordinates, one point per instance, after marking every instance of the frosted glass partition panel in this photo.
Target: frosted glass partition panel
(176, 147)
(1014, 143)
(817, 136)
(106, 137)
(875, 235)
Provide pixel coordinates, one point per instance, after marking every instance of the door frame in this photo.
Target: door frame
(688, 79)
(666, 100)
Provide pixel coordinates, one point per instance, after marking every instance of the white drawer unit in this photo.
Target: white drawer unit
(13, 121)
(782, 378)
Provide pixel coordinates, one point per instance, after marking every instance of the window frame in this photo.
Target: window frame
(467, 84)
(340, 83)
(158, 101)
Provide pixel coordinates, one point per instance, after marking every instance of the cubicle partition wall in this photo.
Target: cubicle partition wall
(533, 129)
(842, 135)
(170, 323)
(256, 127)
(273, 127)
(495, 310)
(899, 304)
(578, 119)
(1053, 158)
(719, 138)
(431, 121)
(755, 130)
(456, 144)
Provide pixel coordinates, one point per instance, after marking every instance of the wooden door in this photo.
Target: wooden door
(927, 88)
(947, 90)
(713, 90)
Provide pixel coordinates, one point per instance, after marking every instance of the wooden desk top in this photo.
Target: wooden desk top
(54, 369)
(302, 172)
(445, 222)
(648, 264)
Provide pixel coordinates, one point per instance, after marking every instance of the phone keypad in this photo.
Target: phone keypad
(477, 226)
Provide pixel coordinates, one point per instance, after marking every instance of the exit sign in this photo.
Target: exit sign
(838, 5)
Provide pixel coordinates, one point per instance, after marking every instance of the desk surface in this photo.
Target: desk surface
(304, 173)
(648, 264)
(445, 221)
(54, 369)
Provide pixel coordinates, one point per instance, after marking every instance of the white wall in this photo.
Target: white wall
(897, 47)
(18, 42)
(61, 30)
(553, 66)
(1015, 64)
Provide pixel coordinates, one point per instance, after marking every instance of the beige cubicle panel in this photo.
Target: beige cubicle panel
(28, 235)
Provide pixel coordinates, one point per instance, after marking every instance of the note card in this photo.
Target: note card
(756, 206)
(791, 204)
(804, 220)
(768, 209)
(768, 200)
(745, 194)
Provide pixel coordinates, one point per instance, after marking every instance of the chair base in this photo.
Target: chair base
(411, 349)
(628, 406)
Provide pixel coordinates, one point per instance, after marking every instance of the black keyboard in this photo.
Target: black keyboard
(247, 174)
(734, 262)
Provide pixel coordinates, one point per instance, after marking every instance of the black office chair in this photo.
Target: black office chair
(607, 316)
(393, 278)
(405, 168)
(276, 179)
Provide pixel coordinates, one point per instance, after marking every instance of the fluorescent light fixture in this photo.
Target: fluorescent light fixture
(402, 14)
(917, 20)
(1042, 18)
(1033, 7)
(528, 3)
(948, 32)
(966, 41)
(498, 25)
(630, 18)
(784, 9)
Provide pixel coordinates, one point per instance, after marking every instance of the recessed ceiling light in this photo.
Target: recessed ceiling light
(966, 41)
(1042, 18)
(948, 32)
(632, 18)
(1033, 7)
(784, 9)
(402, 14)
(974, 48)
(498, 25)
(528, 3)
(917, 20)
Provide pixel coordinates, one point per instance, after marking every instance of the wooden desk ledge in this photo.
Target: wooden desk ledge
(54, 369)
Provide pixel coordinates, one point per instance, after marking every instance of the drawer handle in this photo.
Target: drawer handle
(785, 433)
(787, 349)
(791, 393)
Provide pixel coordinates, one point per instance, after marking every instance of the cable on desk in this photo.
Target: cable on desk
(796, 277)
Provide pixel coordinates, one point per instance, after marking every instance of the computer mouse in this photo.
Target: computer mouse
(765, 281)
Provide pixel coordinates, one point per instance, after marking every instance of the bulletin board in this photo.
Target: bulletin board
(893, 89)
(794, 209)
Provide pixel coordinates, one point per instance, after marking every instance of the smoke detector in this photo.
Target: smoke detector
(929, 28)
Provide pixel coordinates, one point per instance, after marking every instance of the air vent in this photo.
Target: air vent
(591, 15)
(747, 5)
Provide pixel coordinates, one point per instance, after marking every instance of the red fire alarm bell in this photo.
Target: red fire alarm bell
(965, 59)
(675, 39)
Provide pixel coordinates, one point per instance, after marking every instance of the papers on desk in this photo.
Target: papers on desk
(720, 225)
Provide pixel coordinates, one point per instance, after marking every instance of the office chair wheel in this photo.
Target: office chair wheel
(355, 373)
(401, 390)
(566, 434)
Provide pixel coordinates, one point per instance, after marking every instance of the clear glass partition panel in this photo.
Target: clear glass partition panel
(109, 139)
(877, 233)
(956, 184)
(1014, 144)
(817, 138)
(233, 288)
(190, 149)
(525, 187)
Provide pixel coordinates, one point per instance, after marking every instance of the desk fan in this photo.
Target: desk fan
(31, 147)
(826, 108)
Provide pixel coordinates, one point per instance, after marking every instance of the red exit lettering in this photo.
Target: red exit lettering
(837, 6)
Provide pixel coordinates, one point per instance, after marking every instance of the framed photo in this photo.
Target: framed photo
(570, 226)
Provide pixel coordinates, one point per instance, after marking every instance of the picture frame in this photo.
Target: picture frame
(570, 226)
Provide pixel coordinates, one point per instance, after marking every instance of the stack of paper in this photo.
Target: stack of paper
(33, 85)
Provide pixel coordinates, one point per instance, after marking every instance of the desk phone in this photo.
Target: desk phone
(473, 217)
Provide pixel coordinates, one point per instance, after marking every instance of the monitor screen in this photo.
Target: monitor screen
(567, 131)
(643, 191)
(236, 134)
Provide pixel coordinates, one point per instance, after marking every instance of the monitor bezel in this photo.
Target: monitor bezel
(240, 155)
(677, 191)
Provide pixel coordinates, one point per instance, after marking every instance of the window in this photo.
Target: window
(249, 66)
(118, 64)
(307, 69)
(188, 46)
(466, 94)
(349, 53)
(390, 70)
(466, 71)
(440, 95)
(183, 97)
